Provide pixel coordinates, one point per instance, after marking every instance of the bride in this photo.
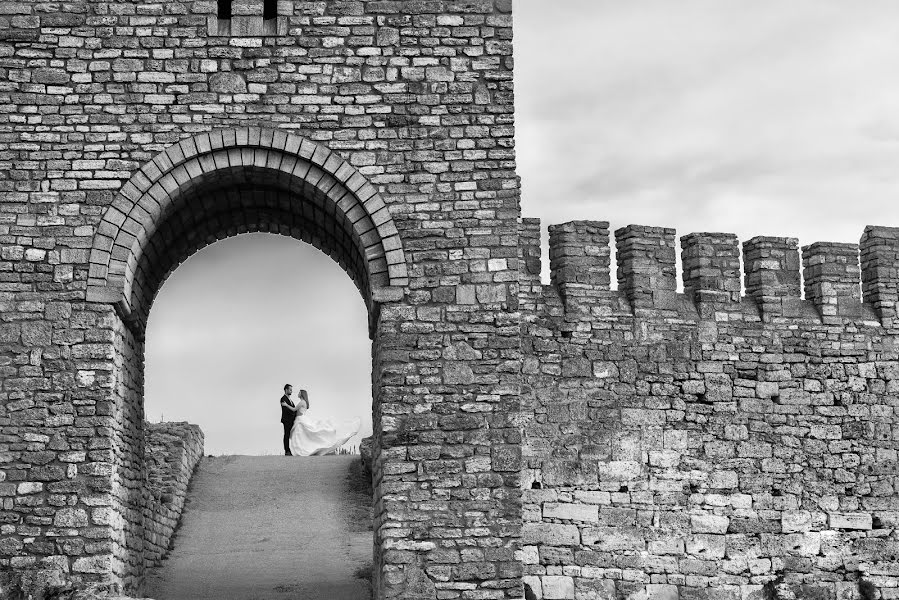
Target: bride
(316, 438)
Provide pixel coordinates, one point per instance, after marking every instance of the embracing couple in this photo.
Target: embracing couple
(304, 436)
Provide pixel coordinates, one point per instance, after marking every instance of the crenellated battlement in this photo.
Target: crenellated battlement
(745, 407)
(879, 249)
(833, 282)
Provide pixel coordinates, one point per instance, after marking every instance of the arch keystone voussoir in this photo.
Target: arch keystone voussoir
(203, 143)
(293, 144)
(279, 139)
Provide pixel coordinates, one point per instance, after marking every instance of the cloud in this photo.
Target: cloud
(882, 129)
(709, 115)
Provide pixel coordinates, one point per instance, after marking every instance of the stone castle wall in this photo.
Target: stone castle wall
(704, 444)
(172, 452)
(637, 443)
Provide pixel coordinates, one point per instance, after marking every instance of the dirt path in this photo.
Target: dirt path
(269, 528)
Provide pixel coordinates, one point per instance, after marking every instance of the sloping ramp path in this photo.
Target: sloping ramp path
(269, 528)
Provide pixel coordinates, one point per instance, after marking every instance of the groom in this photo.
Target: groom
(288, 415)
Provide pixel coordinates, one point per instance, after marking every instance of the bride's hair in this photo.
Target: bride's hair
(305, 397)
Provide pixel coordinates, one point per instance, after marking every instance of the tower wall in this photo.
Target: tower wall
(407, 101)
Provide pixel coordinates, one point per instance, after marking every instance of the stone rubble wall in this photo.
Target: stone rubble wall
(172, 453)
(126, 453)
(707, 444)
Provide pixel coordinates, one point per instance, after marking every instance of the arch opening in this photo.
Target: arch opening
(241, 318)
(240, 181)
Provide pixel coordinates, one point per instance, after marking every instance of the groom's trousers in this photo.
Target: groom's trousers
(287, 428)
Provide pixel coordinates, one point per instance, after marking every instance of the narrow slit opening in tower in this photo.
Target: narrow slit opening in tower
(269, 10)
(224, 9)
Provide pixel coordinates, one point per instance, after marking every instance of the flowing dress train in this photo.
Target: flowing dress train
(316, 438)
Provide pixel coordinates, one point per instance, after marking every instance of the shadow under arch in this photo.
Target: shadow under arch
(226, 182)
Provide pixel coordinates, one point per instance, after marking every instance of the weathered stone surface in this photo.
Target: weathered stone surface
(91, 565)
(457, 373)
(366, 453)
(709, 523)
(550, 534)
(594, 589)
(849, 521)
(655, 591)
(53, 76)
(227, 83)
(572, 512)
(638, 441)
(796, 520)
(70, 517)
(418, 585)
(557, 587)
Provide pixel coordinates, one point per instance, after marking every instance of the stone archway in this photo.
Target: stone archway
(203, 189)
(223, 183)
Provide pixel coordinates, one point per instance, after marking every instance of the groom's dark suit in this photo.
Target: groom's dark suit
(287, 418)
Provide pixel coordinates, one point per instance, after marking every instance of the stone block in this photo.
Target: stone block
(767, 389)
(227, 83)
(51, 76)
(706, 546)
(457, 373)
(70, 517)
(92, 564)
(594, 589)
(718, 388)
(30, 487)
(10, 332)
(533, 588)
(642, 417)
(793, 521)
(860, 521)
(620, 470)
(709, 523)
(550, 534)
(612, 539)
(557, 587)
(506, 458)
(659, 591)
(571, 512)
(802, 544)
(669, 546)
(37, 333)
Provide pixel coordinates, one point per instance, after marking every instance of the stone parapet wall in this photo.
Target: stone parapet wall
(172, 451)
(708, 445)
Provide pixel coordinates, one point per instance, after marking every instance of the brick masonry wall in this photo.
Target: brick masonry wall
(705, 445)
(412, 100)
(172, 453)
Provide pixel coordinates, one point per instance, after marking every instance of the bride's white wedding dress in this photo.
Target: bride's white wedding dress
(316, 438)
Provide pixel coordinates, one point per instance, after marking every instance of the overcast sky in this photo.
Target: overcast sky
(762, 117)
